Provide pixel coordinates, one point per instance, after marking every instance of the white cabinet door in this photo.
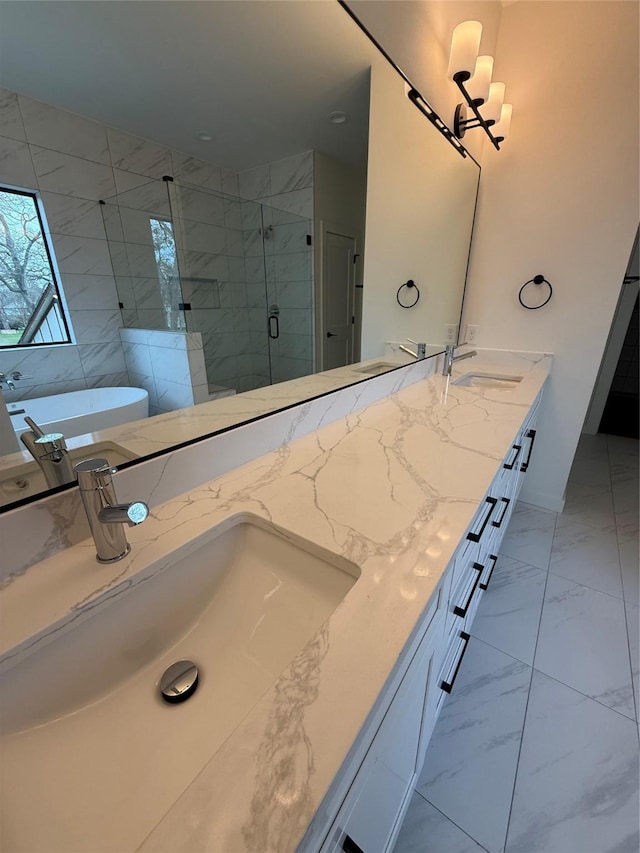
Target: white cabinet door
(374, 805)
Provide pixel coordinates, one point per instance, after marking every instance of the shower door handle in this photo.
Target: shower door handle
(273, 321)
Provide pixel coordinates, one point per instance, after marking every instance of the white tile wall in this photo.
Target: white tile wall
(74, 162)
(169, 365)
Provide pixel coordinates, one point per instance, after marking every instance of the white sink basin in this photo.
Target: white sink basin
(94, 755)
(498, 381)
(378, 367)
(27, 479)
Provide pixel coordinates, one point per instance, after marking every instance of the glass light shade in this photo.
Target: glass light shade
(465, 43)
(493, 107)
(478, 87)
(502, 127)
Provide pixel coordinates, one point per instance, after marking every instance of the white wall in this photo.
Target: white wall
(561, 199)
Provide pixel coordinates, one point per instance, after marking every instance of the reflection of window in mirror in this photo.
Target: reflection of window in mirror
(164, 248)
(31, 310)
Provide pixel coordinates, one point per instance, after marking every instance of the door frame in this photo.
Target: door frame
(326, 225)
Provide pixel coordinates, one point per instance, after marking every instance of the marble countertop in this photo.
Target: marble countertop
(161, 432)
(391, 488)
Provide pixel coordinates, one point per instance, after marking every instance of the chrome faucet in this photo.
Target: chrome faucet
(420, 350)
(450, 357)
(50, 452)
(106, 516)
(4, 380)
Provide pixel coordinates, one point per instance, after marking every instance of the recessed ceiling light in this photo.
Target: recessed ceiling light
(338, 117)
(203, 136)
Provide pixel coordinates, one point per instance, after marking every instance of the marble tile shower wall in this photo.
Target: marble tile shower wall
(168, 365)
(74, 162)
(285, 191)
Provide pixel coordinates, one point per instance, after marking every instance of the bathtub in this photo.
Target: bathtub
(79, 412)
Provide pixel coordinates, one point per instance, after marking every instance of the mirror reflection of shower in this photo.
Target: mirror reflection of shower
(211, 265)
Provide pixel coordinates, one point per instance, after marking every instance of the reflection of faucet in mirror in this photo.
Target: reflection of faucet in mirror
(105, 515)
(50, 452)
(420, 350)
(450, 357)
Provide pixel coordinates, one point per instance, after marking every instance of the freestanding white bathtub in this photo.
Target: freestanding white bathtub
(79, 412)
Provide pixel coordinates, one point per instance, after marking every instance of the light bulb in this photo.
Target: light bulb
(501, 129)
(465, 43)
(478, 87)
(491, 110)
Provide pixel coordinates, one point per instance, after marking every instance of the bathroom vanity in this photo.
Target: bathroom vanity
(306, 731)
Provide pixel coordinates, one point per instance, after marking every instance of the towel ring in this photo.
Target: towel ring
(537, 279)
(408, 284)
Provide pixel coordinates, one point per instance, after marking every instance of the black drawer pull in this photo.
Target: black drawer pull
(494, 560)
(475, 537)
(498, 523)
(532, 435)
(350, 846)
(462, 611)
(509, 465)
(447, 686)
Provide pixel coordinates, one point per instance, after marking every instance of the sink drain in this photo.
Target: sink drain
(179, 681)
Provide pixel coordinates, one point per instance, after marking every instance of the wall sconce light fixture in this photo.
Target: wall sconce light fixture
(483, 104)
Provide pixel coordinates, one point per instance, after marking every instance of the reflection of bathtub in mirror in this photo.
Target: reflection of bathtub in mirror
(79, 412)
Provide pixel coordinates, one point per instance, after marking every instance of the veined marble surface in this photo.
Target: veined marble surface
(391, 487)
(162, 432)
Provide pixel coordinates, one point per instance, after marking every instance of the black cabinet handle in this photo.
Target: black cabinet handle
(332, 334)
(509, 465)
(350, 846)
(274, 331)
(462, 611)
(475, 537)
(447, 686)
(485, 583)
(506, 502)
(531, 434)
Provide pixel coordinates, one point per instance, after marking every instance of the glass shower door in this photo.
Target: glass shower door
(286, 239)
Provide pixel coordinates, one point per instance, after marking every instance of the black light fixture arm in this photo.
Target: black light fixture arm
(460, 121)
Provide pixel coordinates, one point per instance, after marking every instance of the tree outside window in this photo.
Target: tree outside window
(30, 309)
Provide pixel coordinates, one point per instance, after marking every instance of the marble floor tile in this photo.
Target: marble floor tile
(509, 613)
(591, 470)
(471, 761)
(583, 643)
(625, 505)
(629, 565)
(529, 535)
(592, 446)
(587, 556)
(426, 830)
(623, 450)
(590, 505)
(633, 631)
(577, 785)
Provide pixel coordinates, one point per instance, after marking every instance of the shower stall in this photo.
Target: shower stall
(239, 273)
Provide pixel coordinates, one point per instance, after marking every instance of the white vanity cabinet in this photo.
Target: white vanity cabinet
(371, 813)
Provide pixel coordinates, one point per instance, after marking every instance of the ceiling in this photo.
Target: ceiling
(260, 76)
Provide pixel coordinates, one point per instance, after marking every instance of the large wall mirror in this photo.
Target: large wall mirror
(215, 180)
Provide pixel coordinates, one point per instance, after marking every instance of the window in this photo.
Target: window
(31, 310)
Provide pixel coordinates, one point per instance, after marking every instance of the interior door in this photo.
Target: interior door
(337, 299)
